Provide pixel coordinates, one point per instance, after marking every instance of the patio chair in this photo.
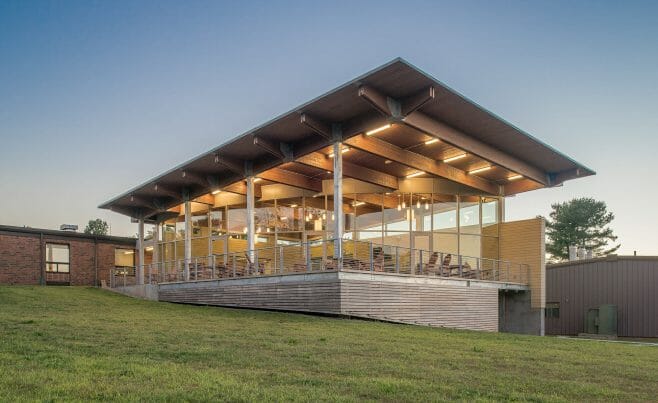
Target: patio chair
(445, 265)
(430, 266)
(378, 260)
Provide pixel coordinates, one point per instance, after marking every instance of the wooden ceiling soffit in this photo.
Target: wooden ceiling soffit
(520, 186)
(424, 123)
(319, 160)
(407, 112)
(240, 188)
(416, 161)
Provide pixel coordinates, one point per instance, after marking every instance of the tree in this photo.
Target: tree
(579, 222)
(96, 227)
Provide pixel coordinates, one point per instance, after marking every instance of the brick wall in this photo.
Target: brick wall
(19, 259)
(22, 256)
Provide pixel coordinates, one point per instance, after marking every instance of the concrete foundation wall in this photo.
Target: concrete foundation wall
(516, 314)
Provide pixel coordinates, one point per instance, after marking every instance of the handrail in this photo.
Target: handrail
(313, 256)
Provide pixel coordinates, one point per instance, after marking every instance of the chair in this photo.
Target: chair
(445, 265)
(253, 267)
(378, 260)
(431, 264)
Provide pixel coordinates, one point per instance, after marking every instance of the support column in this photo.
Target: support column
(251, 231)
(156, 247)
(188, 239)
(339, 219)
(140, 249)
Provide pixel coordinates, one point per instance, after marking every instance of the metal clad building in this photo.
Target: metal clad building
(630, 282)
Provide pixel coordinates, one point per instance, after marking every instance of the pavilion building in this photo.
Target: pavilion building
(383, 198)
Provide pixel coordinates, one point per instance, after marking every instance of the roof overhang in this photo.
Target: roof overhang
(293, 148)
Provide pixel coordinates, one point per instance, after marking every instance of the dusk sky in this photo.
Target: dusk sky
(98, 97)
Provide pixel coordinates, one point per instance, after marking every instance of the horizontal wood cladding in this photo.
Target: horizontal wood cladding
(303, 296)
(426, 304)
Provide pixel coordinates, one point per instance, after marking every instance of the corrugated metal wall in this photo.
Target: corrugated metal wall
(629, 282)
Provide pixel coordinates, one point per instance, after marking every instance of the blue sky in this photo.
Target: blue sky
(97, 97)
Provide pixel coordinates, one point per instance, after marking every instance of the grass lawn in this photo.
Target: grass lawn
(61, 343)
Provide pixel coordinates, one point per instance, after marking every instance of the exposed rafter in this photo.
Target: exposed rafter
(240, 188)
(194, 178)
(319, 127)
(319, 160)
(393, 108)
(166, 191)
(231, 164)
(424, 123)
(394, 153)
(282, 151)
(295, 179)
(407, 112)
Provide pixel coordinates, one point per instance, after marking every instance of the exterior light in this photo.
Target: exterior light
(399, 207)
(257, 180)
(268, 229)
(377, 130)
(333, 217)
(358, 203)
(475, 171)
(428, 142)
(343, 151)
(514, 177)
(216, 191)
(293, 205)
(388, 162)
(284, 218)
(404, 205)
(244, 230)
(455, 158)
(418, 204)
(257, 229)
(324, 216)
(427, 206)
(413, 175)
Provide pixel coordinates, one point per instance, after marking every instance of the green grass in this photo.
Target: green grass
(87, 344)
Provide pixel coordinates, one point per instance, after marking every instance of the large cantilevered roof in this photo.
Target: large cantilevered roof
(431, 130)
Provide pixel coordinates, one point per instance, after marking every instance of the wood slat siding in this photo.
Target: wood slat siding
(629, 282)
(302, 296)
(524, 242)
(398, 300)
(434, 305)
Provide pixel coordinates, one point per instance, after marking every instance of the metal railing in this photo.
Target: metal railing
(317, 256)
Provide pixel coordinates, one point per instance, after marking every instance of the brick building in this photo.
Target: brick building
(40, 256)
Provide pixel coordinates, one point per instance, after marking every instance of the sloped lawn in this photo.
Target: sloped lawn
(62, 344)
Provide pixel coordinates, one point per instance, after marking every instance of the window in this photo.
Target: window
(553, 310)
(57, 258)
(124, 257)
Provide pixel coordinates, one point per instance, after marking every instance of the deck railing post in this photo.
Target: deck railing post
(125, 273)
(307, 251)
(441, 264)
(256, 265)
(397, 259)
(234, 265)
(281, 263)
(477, 263)
(213, 265)
(420, 261)
(461, 271)
(372, 257)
